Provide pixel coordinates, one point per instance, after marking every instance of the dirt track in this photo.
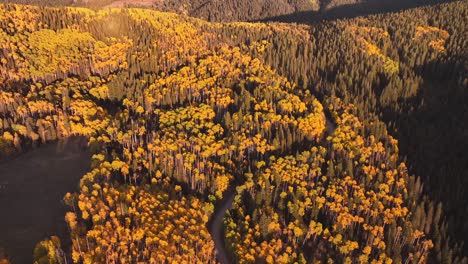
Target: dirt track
(216, 226)
(216, 223)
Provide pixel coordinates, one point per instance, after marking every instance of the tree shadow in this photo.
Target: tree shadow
(370, 7)
(434, 139)
(31, 200)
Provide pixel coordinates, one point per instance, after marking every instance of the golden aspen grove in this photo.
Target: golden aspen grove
(325, 134)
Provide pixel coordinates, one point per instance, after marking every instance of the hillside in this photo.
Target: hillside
(213, 10)
(318, 131)
(304, 11)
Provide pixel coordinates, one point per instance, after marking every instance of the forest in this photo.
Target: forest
(341, 141)
(304, 11)
(212, 10)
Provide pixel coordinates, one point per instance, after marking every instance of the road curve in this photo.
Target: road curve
(215, 226)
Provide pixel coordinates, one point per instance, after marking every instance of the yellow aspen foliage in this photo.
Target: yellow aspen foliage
(178, 111)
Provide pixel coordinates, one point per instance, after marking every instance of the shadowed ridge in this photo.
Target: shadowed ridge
(351, 11)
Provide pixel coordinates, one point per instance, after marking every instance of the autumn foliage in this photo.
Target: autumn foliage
(177, 111)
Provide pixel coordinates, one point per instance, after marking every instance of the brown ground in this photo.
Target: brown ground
(32, 186)
(139, 3)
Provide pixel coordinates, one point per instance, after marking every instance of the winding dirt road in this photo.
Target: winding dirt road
(215, 226)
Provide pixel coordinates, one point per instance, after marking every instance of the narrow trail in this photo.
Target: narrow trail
(215, 226)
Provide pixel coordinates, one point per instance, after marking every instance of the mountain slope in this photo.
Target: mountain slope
(213, 10)
(178, 111)
(255, 10)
